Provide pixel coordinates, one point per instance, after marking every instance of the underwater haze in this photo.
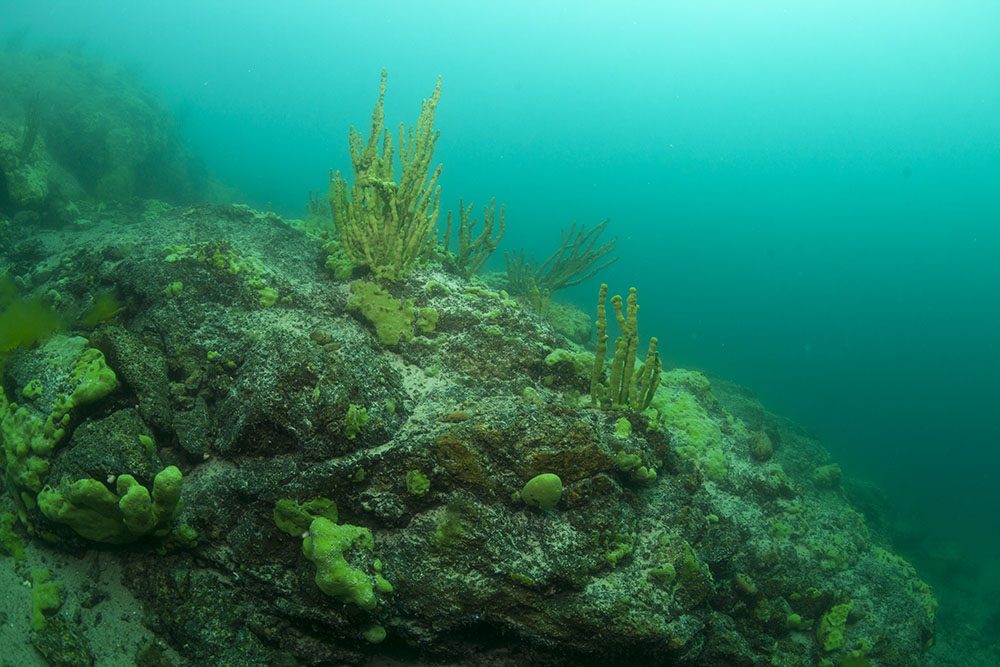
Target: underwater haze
(805, 194)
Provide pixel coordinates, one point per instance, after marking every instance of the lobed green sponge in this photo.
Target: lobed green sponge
(94, 512)
(326, 545)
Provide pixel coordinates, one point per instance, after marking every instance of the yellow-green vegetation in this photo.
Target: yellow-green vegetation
(523, 580)
(392, 318)
(318, 221)
(427, 319)
(616, 546)
(663, 575)
(691, 382)
(580, 361)
(570, 321)
(24, 163)
(180, 537)
(32, 390)
(346, 568)
(219, 255)
(626, 387)
(268, 296)
(294, 518)
(435, 288)
(828, 476)
(677, 567)
(454, 525)
(23, 322)
(355, 419)
(761, 447)
(631, 464)
(744, 584)
(384, 225)
(684, 413)
(857, 656)
(573, 263)
(838, 547)
(105, 307)
(905, 573)
(336, 261)
(780, 530)
(173, 289)
(125, 515)
(374, 634)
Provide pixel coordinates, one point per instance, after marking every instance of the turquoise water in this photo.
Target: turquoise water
(805, 194)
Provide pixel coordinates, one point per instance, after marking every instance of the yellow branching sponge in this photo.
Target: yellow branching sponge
(626, 387)
(384, 225)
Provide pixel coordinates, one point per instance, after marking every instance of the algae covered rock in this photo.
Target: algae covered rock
(478, 510)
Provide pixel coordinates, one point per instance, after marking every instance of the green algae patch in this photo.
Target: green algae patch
(23, 322)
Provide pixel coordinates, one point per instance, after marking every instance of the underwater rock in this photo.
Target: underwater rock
(715, 554)
(72, 125)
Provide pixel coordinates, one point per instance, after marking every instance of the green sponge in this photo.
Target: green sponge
(136, 506)
(542, 491)
(832, 626)
(294, 518)
(94, 512)
(46, 597)
(393, 318)
(167, 502)
(325, 546)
